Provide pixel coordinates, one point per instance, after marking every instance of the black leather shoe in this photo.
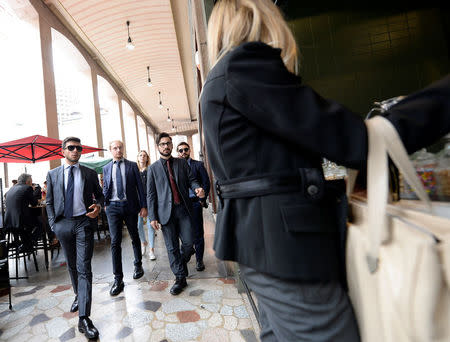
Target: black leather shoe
(117, 287)
(86, 327)
(138, 272)
(179, 285)
(74, 306)
(200, 266)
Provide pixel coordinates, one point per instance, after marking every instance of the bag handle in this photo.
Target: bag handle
(383, 140)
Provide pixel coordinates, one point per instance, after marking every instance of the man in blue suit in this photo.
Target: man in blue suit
(74, 200)
(200, 174)
(124, 199)
(168, 182)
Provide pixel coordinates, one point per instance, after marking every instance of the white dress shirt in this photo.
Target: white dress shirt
(114, 196)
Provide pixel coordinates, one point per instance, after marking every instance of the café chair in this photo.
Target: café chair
(5, 284)
(15, 252)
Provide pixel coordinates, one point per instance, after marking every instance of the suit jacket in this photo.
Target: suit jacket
(18, 198)
(200, 174)
(56, 192)
(260, 120)
(159, 194)
(134, 191)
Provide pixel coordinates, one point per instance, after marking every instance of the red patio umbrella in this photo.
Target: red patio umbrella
(35, 148)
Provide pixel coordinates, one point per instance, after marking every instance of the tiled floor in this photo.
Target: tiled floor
(209, 309)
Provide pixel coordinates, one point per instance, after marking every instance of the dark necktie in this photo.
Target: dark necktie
(68, 204)
(173, 185)
(119, 183)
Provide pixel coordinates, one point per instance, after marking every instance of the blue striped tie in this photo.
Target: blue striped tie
(119, 182)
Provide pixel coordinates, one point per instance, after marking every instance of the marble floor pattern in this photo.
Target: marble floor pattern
(209, 309)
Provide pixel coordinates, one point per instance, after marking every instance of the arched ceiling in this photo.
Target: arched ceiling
(161, 31)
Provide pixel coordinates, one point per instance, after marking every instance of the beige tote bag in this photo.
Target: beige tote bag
(398, 255)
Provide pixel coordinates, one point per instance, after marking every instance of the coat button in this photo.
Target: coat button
(313, 190)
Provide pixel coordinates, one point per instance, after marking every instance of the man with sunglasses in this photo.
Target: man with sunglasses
(73, 204)
(200, 174)
(168, 182)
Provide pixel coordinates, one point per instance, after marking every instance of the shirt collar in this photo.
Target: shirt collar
(66, 166)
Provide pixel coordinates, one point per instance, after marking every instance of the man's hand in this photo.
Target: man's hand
(94, 213)
(200, 192)
(143, 212)
(155, 224)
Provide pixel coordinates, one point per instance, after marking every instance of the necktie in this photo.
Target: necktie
(68, 203)
(119, 183)
(173, 185)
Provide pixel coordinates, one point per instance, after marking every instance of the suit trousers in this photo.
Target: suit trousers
(117, 212)
(179, 227)
(301, 311)
(76, 236)
(197, 225)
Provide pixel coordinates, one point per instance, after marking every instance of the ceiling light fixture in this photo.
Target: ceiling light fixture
(160, 102)
(168, 116)
(130, 45)
(173, 127)
(149, 81)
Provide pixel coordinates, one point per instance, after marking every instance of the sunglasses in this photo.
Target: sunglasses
(73, 147)
(181, 150)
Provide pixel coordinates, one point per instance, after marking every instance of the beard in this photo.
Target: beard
(74, 159)
(165, 153)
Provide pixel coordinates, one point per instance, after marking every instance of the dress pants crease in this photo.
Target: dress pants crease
(77, 240)
(117, 213)
(179, 227)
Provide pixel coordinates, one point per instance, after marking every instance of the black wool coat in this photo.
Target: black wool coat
(259, 120)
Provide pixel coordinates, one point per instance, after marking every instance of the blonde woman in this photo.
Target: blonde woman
(266, 134)
(143, 161)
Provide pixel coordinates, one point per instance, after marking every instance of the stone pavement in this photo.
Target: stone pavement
(209, 309)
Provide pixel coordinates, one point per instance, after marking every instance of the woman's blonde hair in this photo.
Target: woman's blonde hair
(147, 163)
(233, 22)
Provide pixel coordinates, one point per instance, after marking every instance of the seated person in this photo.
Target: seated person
(18, 217)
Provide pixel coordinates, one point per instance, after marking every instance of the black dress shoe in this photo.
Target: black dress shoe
(74, 306)
(86, 327)
(179, 285)
(138, 272)
(200, 266)
(117, 287)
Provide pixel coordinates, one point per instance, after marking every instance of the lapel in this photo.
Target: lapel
(60, 180)
(83, 177)
(127, 167)
(160, 166)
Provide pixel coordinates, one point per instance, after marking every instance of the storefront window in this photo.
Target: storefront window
(152, 147)
(129, 122)
(196, 147)
(74, 95)
(109, 114)
(142, 130)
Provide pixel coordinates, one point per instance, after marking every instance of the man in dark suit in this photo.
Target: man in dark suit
(73, 203)
(201, 175)
(168, 183)
(124, 200)
(18, 216)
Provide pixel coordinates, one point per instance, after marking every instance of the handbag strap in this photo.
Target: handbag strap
(383, 140)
